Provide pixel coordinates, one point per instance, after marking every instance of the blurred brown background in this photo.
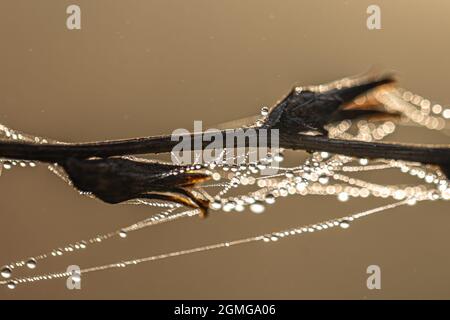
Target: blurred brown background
(146, 67)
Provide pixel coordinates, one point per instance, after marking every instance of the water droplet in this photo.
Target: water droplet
(399, 194)
(289, 174)
(257, 207)
(434, 195)
(363, 161)
(12, 285)
(278, 157)
(283, 192)
(76, 276)
(301, 186)
(31, 263)
(122, 234)
(7, 165)
(344, 224)
(234, 181)
(216, 205)
(323, 180)
(229, 206)
(270, 198)
(343, 196)
(249, 200)
(324, 155)
(6, 272)
(292, 190)
(264, 111)
(261, 166)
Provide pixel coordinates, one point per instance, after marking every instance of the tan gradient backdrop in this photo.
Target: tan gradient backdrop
(146, 67)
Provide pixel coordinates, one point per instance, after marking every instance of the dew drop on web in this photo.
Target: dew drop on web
(6, 272)
(31, 263)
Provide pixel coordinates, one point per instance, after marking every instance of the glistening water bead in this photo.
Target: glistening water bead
(344, 224)
(257, 207)
(278, 157)
(31, 263)
(122, 234)
(343, 196)
(270, 198)
(6, 272)
(7, 165)
(216, 205)
(76, 277)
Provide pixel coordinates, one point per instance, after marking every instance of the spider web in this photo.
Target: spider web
(238, 187)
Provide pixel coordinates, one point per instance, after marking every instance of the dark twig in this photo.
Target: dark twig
(428, 154)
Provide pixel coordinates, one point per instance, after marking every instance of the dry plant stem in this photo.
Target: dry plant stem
(53, 153)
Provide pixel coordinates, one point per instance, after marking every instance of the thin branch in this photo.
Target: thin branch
(428, 154)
